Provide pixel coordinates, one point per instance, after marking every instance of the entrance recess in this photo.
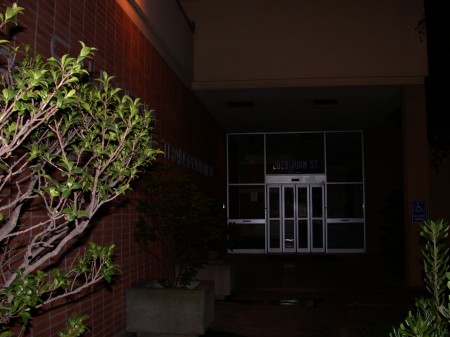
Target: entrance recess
(296, 217)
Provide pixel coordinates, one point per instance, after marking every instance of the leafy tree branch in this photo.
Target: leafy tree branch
(69, 145)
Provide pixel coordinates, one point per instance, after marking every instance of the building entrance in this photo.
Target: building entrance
(296, 217)
(297, 192)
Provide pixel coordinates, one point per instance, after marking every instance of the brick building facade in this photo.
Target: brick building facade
(54, 28)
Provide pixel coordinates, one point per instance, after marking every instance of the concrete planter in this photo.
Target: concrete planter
(153, 311)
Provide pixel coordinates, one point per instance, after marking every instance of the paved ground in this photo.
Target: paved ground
(296, 296)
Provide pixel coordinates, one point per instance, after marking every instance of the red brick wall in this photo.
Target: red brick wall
(123, 51)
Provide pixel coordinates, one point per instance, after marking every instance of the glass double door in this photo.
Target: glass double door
(295, 218)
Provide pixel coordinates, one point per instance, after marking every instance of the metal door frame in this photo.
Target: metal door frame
(282, 183)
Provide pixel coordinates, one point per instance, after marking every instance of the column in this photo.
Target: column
(416, 165)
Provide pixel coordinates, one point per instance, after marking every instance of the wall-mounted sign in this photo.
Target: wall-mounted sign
(293, 165)
(419, 211)
(185, 159)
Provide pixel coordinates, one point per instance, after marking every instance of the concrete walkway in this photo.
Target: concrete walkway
(321, 295)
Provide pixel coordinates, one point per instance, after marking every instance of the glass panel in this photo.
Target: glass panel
(251, 236)
(344, 157)
(302, 234)
(345, 235)
(274, 240)
(302, 202)
(274, 202)
(289, 237)
(317, 202)
(345, 200)
(245, 159)
(288, 202)
(295, 153)
(317, 239)
(246, 202)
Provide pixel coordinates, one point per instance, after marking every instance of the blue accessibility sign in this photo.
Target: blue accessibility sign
(419, 211)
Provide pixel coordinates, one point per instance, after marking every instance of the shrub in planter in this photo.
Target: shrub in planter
(177, 224)
(219, 269)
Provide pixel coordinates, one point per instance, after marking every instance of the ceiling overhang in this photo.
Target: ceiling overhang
(301, 108)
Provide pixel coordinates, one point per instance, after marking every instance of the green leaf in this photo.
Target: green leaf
(65, 192)
(8, 94)
(83, 213)
(70, 93)
(75, 326)
(53, 191)
(85, 51)
(12, 12)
